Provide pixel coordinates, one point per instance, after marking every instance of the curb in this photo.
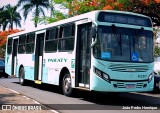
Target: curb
(28, 98)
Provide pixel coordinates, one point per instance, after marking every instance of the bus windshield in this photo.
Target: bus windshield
(124, 44)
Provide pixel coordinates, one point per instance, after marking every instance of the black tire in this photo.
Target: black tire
(66, 85)
(6, 75)
(22, 77)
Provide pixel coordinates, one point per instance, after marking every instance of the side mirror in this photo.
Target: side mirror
(93, 32)
(92, 45)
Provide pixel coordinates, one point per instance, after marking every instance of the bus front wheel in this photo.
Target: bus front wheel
(22, 76)
(66, 85)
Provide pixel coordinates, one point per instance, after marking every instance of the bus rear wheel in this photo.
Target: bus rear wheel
(22, 77)
(66, 85)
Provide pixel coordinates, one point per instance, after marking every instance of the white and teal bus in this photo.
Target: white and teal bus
(106, 51)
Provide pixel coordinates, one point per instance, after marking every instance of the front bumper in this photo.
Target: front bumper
(99, 84)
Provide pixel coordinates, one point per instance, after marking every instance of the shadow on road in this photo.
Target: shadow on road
(4, 98)
(124, 99)
(45, 87)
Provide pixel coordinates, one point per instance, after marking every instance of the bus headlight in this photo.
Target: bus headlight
(98, 72)
(106, 77)
(150, 77)
(102, 74)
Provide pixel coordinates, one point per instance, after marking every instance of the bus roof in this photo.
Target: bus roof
(91, 15)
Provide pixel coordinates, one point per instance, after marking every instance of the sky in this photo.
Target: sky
(25, 25)
(4, 2)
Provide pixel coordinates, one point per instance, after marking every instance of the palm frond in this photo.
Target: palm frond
(27, 9)
(41, 11)
(37, 5)
(23, 2)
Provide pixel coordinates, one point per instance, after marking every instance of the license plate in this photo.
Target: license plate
(130, 85)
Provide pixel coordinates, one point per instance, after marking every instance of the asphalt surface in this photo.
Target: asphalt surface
(85, 102)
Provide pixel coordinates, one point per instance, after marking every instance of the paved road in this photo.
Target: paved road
(91, 103)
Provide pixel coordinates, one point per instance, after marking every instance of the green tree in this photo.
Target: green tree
(9, 16)
(156, 51)
(37, 5)
(55, 15)
(156, 30)
(3, 18)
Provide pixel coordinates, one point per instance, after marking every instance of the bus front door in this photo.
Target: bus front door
(83, 56)
(38, 64)
(14, 57)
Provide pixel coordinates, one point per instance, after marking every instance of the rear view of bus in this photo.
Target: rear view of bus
(122, 58)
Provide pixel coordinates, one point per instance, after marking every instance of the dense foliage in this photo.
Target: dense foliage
(150, 8)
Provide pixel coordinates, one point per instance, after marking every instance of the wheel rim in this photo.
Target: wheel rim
(67, 84)
(21, 77)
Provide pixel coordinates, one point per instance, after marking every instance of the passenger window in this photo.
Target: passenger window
(66, 37)
(30, 43)
(21, 46)
(51, 40)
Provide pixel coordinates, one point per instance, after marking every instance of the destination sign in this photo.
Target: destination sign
(124, 19)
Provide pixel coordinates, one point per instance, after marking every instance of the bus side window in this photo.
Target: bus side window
(21, 46)
(9, 46)
(66, 37)
(30, 43)
(51, 40)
